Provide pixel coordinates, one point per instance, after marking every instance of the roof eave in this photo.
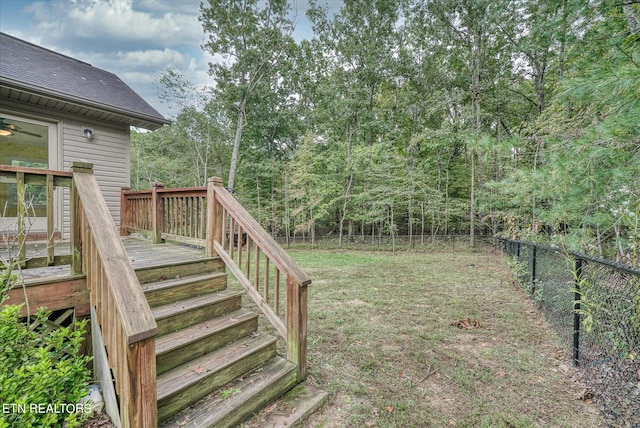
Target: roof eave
(136, 119)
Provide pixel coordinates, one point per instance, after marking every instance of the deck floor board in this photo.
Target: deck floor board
(141, 252)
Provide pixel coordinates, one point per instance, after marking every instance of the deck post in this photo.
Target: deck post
(296, 322)
(214, 215)
(141, 407)
(157, 213)
(125, 212)
(76, 232)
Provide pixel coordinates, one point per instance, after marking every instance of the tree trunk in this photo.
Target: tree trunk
(236, 143)
(347, 193)
(632, 13)
(472, 211)
(343, 214)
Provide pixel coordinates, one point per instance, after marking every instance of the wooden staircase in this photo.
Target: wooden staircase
(174, 334)
(213, 367)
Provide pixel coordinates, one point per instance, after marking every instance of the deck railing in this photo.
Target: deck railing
(123, 314)
(22, 204)
(175, 214)
(211, 217)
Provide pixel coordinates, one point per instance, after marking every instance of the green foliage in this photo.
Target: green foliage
(412, 117)
(611, 323)
(39, 368)
(184, 154)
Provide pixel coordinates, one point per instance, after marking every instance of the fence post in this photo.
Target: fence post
(157, 213)
(532, 266)
(576, 311)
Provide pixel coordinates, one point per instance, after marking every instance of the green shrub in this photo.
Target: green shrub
(42, 374)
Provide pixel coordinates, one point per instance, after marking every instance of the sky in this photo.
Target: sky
(135, 39)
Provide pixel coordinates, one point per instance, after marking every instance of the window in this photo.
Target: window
(24, 143)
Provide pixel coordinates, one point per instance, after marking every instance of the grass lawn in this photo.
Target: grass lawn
(382, 343)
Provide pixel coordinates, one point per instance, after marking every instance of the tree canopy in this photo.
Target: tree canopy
(511, 117)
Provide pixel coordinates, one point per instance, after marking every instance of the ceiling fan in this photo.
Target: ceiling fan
(7, 129)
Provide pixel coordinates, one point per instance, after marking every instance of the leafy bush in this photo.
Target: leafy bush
(42, 375)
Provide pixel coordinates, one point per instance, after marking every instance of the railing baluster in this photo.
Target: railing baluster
(175, 215)
(203, 218)
(50, 243)
(276, 291)
(21, 214)
(185, 216)
(256, 269)
(192, 222)
(193, 216)
(266, 280)
(248, 266)
(239, 262)
(232, 228)
(224, 238)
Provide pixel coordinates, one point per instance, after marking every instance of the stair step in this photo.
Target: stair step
(179, 269)
(171, 290)
(188, 383)
(234, 403)
(184, 345)
(293, 408)
(175, 316)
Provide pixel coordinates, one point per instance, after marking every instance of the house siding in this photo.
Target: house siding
(108, 151)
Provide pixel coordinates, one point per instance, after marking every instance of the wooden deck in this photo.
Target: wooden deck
(142, 253)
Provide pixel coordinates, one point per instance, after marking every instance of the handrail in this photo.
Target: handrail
(283, 260)
(230, 228)
(21, 177)
(36, 171)
(127, 324)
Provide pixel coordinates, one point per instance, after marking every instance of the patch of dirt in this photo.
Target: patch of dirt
(466, 324)
(100, 421)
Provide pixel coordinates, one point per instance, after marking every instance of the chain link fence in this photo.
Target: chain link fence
(390, 243)
(594, 305)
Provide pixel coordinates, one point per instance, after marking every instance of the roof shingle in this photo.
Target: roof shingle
(50, 73)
